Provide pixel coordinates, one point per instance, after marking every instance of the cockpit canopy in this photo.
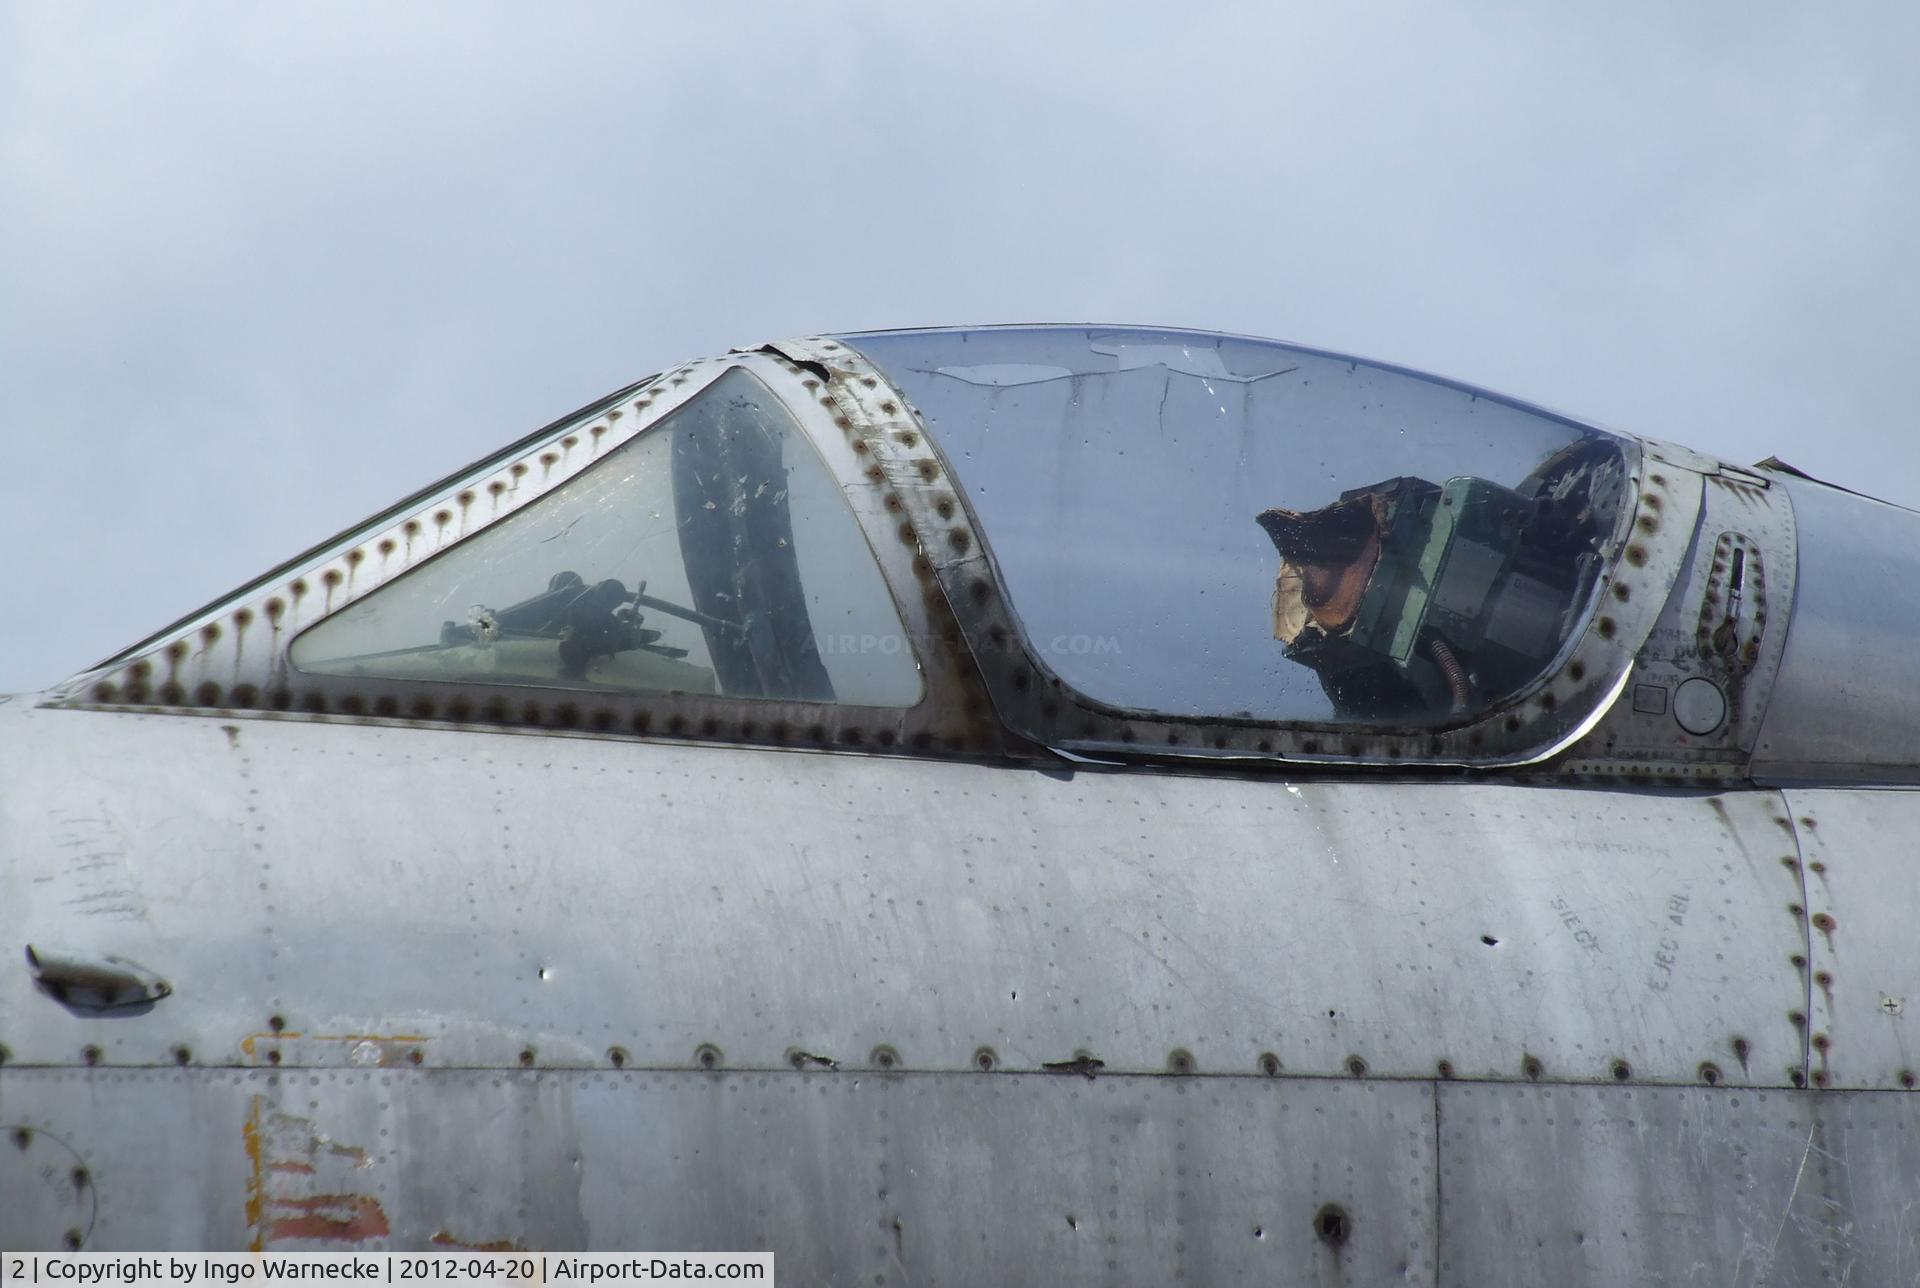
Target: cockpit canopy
(1204, 526)
(976, 541)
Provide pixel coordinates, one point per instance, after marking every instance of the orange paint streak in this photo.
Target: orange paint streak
(349, 1218)
(445, 1240)
(306, 1168)
(256, 1177)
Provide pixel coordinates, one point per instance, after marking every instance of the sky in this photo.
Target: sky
(266, 268)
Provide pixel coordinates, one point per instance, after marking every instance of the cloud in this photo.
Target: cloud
(271, 267)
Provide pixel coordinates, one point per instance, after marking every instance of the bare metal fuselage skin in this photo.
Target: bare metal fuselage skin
(956, 1010)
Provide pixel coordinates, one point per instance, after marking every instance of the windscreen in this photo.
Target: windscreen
(1210, 526)
(712, 554)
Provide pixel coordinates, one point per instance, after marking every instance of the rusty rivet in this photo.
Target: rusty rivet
(1823, 922)
(1532, 1067)
(1445, 1069)
(707, 1056)
(617, 1056)
(1741, 1050)
(1356, 1066)
(183, 1054)
(1907, 1079)
(1819, 1077)
(72, 1239)
(1823, 978)
(1270, 1064)
(1799, 962)
(1797, 1077)
(273, 1056)
(91, 1054)
(1607, 628)
(526, 1057)
(1622, 1071)
(1710, 1073)
(1820, 1042)
(22, 1137)
(1798, 1020)
(81, 1178)
(1795, 910)
(884, 1057)
(985, 1060)
(1180, 1060)
(276, 1023)
(415, 1055)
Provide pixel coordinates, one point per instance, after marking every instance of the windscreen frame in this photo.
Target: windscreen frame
(233, 658)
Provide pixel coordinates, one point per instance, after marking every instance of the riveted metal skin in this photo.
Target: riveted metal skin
(473, 895)
(1724, 623)
(1846, 706)
(1863, 995)
(1636, 1185)
(1540, 722)
(232, 659)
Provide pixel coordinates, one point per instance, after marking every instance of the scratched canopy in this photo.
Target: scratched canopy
(1201, 525)
(712, 554)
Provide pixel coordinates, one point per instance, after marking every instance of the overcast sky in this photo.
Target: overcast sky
(265, 268)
